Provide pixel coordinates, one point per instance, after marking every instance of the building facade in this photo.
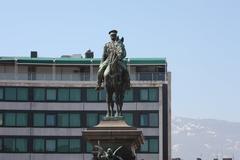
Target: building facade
(46, 103)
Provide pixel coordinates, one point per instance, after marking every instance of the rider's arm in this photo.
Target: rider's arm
(104, 56)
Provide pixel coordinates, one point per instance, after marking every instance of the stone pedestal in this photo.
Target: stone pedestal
(113, 133)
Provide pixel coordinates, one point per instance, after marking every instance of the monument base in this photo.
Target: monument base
(115, 133)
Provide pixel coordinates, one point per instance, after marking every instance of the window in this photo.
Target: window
(63, 119)
(150, 145)
(89, 147)
(75, 120)
(63, 94)
(128, 96)
(57, 145)
(21, 119)
(143, 120)
(102, 95)
(15, 119)
(1, 119)
(22, 94)
(74, 145)
(9, 119)
(75, 94)
(129, 118)
(21, 145)
(38, 119)
(15, 145)
(149, 94)
(13, 94)
(153, 94)
(51, 94)
(143, 94)
(38, 94)
(1, 93)
(9, 145)
(144, 147)
(92, 95)
(38, 145)
(153, 145)
(92, 119)
(62, 145)
(1, 145)
(149, 120)
(50, 120)
(10, 94)
(50, 145)
(153, 119)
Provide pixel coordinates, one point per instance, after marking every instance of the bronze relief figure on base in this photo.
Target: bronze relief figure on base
(113, 72)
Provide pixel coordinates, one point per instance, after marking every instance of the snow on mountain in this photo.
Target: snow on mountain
(205, 138)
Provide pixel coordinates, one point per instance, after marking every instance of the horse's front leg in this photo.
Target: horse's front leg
(117, 104)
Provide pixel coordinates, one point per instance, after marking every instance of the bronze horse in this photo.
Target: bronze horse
(114, 84)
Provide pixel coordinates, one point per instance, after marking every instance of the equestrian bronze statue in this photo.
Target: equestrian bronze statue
(113, 72)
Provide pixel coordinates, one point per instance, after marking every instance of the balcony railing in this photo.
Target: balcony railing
(149, 76)
(85, 76)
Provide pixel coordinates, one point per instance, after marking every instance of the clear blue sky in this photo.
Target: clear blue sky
(199, 38)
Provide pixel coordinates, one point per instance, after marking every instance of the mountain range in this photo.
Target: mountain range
(205, 139)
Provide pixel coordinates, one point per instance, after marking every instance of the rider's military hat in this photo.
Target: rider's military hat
(112, 32)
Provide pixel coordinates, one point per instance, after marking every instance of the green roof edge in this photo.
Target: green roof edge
(135, 61)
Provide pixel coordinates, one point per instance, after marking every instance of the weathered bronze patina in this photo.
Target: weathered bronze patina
(113, 71)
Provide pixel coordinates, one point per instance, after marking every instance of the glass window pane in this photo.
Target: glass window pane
(50, 120)
(38, 119)
(38, 145)
(128, 118)
(22, 94)
(10, 94)
(75, 94)
(1, 119)
(143, 120)
(92, 119)
(153, 94)
(128, 96)
(21, 119)
(9, 145)
(153, 145)
(50, 145)
(62, 145)
(1, 93)
(51, 94)
(101, 116)
(63, 94)
(153, 119)
(92, 94)
(63, 119)
(89, 147)
(1, 145)
(144, 147)
(75, 145)
(9, 119)
(38, 94)
(102, 95)
(21, 145)
(143, 94)
(75, 120)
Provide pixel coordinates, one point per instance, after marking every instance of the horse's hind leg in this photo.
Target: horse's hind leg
(110, 103)
(121, 97)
